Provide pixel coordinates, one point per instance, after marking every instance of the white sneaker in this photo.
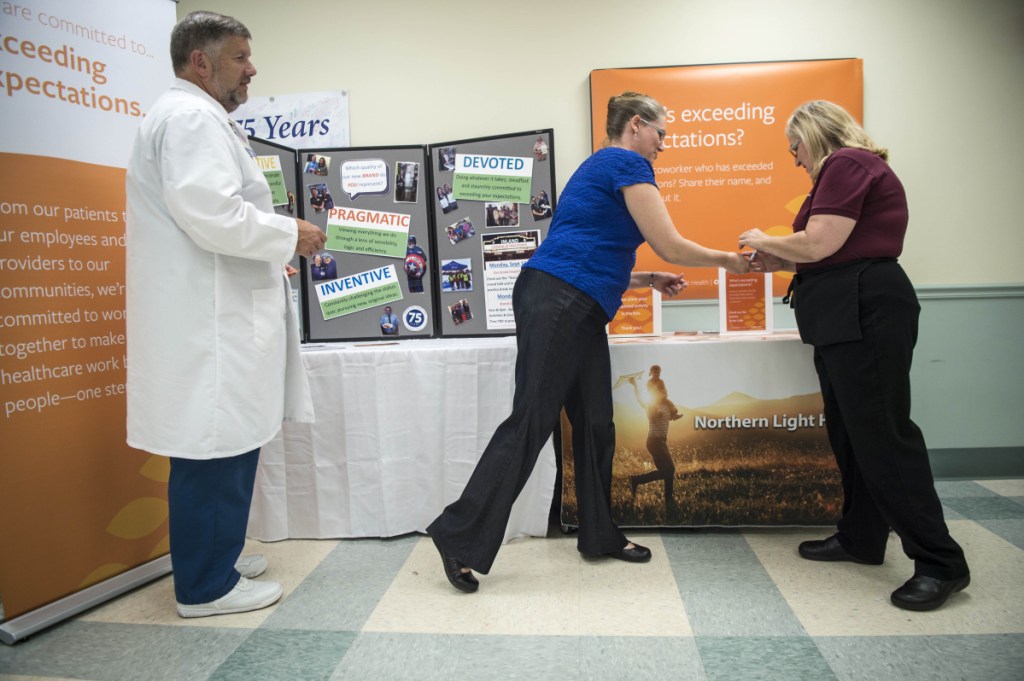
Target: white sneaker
(252, 566)
(247, 595)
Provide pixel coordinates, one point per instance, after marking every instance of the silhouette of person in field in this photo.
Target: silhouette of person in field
(660, 413)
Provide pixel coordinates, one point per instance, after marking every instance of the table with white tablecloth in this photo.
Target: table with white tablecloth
(399, 428)
(401, 425)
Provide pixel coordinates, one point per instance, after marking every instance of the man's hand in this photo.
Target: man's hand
(310, 240)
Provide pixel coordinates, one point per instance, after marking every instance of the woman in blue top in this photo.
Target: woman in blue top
(563, 299)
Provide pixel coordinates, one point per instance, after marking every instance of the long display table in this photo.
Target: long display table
(401, 425)
(399, 428)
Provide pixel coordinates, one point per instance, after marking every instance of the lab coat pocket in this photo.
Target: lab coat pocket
(269, 308)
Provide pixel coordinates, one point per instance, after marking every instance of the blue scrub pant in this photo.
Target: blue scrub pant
(209, 502)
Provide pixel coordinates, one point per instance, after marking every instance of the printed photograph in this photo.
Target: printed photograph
(540, 149)
(323, 267)
(388, 322)
(456, 275)
(540, 206)
(446, 158)
(445, 198)
(501, 214)
(320, 198)
(460, 311)
(407, 179)
(317, 165)
(460, 231)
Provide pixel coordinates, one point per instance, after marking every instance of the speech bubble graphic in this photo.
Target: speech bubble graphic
(365, 176)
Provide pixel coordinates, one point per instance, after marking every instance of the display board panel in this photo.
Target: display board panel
(492, 199)
(278, 163)
(374, 279)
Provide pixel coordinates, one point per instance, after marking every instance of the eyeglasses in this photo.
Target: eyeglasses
(661, 133)
(793, 147)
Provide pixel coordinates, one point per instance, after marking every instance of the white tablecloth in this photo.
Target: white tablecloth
(399, 428)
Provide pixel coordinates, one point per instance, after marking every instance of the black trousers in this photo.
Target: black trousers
(881, 453)
(562, 361)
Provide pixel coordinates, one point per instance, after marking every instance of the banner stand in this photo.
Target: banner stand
(14, 630)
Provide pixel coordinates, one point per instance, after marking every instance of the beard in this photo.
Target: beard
(230, 96)
(236, 97)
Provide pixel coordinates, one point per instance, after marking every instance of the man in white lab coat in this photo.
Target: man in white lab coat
(213, 363)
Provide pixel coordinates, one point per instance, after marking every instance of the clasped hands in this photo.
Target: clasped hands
(758, 260)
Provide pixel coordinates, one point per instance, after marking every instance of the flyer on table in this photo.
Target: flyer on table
(639, 315)
(744, 302)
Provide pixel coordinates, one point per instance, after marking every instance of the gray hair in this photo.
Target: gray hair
(200, 31)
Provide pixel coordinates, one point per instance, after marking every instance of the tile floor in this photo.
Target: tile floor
(712, 604)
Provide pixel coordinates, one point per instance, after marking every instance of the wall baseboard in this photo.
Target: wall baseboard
(977, 463)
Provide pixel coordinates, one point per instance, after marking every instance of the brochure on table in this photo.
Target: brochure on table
(492, 201)
(640, 314)
(744, 303)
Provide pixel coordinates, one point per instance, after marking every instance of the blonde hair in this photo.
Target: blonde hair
(824, 127)
(623, 107)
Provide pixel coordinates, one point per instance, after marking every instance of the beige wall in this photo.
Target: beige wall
(943, 85)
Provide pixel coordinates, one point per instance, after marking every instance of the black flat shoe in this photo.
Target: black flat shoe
(923, 593)
(637, 554)
(830, 550)
(463, 581)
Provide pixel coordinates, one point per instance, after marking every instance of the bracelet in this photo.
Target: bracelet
(651, 284)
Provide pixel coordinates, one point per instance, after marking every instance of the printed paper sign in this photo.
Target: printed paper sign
(480, 177)
(744, 302)
(640, 314)
(372, 232)
(368, 176)
(504, 255)
(356, 292)
(271, 167)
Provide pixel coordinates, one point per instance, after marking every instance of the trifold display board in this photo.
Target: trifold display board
(373, 279)
(421, 241)
(492, 201)
(278, 165)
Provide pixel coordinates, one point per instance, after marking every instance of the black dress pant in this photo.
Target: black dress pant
(881, 453)
(562, 361)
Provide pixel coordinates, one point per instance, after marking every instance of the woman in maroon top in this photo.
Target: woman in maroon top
(855, 305)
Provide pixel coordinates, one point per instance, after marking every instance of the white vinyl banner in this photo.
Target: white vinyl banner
(299, 121)
(76, 79)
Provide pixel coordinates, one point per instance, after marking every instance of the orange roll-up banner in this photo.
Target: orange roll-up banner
(726, 167)
(78, 506)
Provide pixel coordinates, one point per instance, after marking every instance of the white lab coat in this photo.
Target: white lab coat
(212, 336)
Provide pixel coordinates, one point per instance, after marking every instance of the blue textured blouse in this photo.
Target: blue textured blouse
(592, 241)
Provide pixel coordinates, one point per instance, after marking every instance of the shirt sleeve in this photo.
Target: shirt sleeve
(204, 189)
(633, 169)
(842, 187)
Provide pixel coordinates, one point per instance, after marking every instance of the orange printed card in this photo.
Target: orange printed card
(744, 302)
(640, 314)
